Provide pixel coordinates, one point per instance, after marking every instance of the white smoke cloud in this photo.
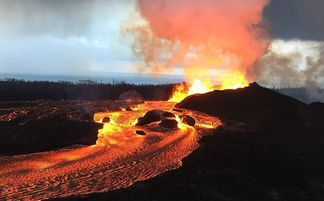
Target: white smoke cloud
(294, 63)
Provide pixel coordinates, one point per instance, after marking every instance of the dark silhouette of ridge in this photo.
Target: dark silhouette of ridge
(256, 107)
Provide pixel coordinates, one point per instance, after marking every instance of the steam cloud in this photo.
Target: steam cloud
(294, 66)
(201, 35)
(302, 31)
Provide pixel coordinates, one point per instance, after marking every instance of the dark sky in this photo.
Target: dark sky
(296, 19)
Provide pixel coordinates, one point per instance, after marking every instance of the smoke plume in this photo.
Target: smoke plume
(205, 37)
(294, 64)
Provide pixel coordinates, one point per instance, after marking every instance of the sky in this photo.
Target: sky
(87, 37)
(69, 37)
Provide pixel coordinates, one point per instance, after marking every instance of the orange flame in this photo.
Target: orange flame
(181, 91)
(233, 80)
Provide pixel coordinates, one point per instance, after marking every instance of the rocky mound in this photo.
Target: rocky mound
(282, 160)
(154, 116)
(169, 123)
(186, 119)
(256, 106)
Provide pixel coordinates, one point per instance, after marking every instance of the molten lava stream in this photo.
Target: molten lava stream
(120, 157)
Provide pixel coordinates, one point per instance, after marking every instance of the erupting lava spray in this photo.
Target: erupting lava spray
(214, 41)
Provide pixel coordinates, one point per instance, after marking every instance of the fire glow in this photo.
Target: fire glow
(233, 80)
(215, 42)
(119, 158)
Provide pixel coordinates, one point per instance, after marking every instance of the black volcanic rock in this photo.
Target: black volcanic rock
(186, 119)
(46, 133)
(149, 117)
(33, 126)
(169, 123)
(154, 116)
(168, 115)
(140, 132)
(177, 110)
(128, 109)
(254, 105)
(106, 120)
(318, 107)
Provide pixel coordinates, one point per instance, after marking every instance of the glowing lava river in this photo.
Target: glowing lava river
(124, 153)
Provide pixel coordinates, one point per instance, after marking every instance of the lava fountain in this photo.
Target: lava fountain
(234, 80)
(215, 42)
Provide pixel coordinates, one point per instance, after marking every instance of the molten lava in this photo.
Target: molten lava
(233, 80)
(182, 90)
(120, 157)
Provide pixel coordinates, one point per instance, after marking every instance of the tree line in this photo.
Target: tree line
(20, 90)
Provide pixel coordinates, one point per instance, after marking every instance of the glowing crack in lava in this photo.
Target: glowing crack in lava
(119, 158)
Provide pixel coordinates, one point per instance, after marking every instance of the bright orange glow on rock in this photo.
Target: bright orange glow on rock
(200, 87)
(233, 80)
(181, 91)
(181, 125)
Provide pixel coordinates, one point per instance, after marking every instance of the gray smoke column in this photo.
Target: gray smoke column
(205, 37)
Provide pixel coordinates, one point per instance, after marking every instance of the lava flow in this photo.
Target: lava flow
(125, 152)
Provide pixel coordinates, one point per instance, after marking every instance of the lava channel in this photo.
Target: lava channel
(124, 153)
